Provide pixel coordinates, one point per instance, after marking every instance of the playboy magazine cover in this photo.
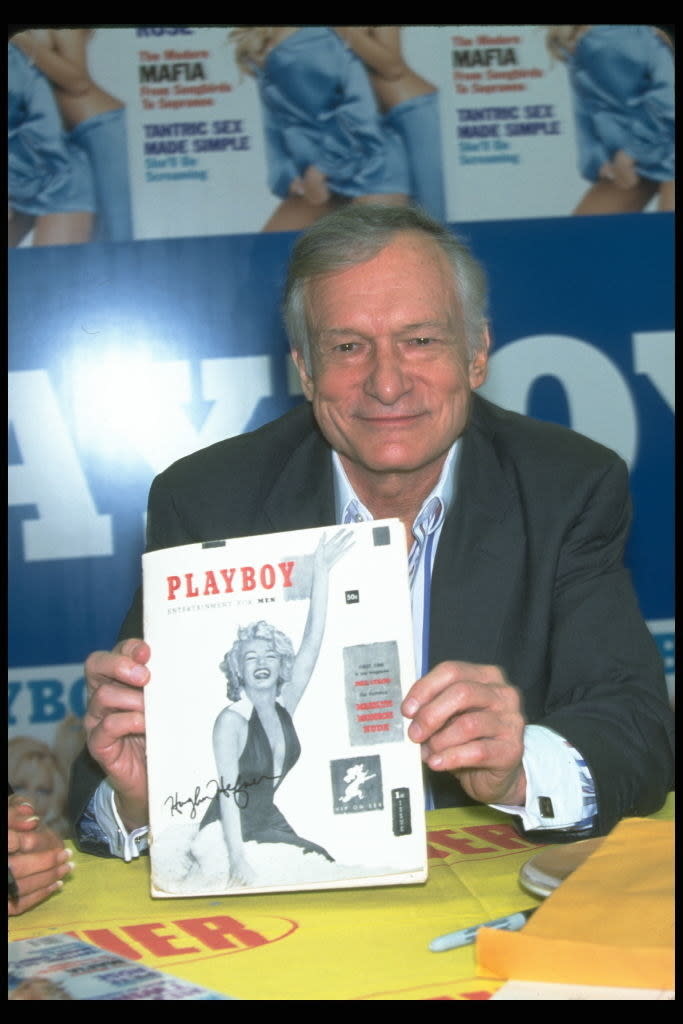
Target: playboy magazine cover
(277, 753)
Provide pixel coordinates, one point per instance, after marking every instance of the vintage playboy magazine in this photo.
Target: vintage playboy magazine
(60, 966)
(277, 753)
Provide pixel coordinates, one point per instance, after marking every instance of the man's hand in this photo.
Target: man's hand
(36, 856)
(469, 721)
(115, 723)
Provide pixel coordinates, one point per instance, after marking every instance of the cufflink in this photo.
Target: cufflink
(545, 805)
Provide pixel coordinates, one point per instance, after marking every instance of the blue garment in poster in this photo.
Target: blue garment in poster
(622, 77)
(319, 108)
(418, 123)
(46, 172)
(103, 138)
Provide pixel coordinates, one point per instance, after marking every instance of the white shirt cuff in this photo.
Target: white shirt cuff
(124, 844)
(560, 794)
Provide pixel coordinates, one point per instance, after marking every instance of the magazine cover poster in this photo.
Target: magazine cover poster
(277, 753)
(142, 132)
(558, 120)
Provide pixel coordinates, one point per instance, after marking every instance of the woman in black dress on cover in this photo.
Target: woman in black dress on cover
(254, 755)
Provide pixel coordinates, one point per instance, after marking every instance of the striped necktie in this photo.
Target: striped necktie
(423, 531)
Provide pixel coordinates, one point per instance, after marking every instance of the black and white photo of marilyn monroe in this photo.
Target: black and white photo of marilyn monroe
(243, 838)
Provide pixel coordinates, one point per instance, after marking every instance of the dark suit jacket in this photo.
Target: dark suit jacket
(528, 576)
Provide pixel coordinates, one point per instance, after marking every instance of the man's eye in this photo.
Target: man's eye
(421, 341)
(346, 346)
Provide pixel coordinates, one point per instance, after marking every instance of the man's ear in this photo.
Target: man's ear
(479, 364)
(304, 376)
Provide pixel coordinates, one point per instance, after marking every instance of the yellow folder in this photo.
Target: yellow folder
(611, 922)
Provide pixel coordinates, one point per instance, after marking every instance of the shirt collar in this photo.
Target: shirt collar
(349, 507)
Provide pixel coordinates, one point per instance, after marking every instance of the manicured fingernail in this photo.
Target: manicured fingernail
(410, 707)
(55, 885)
(415, 731)
(138, 674)
(435, 762)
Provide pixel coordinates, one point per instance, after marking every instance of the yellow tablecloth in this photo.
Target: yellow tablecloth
(338, 944)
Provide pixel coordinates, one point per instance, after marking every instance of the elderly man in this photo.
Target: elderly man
(540, 690)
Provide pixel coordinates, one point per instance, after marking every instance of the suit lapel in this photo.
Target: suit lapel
(480, 553)
(302, 495)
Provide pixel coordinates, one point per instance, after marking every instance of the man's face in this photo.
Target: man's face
(391, 380)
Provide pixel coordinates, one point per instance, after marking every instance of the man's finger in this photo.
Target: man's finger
(445, 674)
(125, 664)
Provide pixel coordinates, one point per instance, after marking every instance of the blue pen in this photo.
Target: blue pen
(466, 936)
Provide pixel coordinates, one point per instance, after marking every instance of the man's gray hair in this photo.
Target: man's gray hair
(357, 233)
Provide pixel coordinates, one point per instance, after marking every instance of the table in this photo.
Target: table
(332, 945)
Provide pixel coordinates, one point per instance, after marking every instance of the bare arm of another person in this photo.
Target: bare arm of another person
(469, 721)
(36, 856)
(115, 724)
(327, 553)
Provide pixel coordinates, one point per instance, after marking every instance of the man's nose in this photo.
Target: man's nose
(387, 379)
